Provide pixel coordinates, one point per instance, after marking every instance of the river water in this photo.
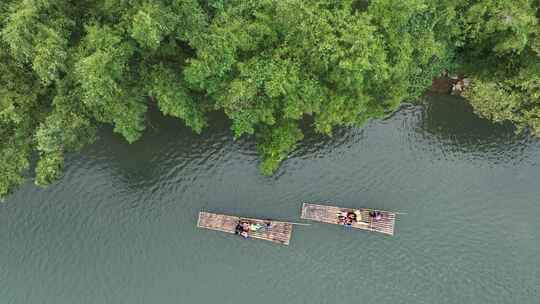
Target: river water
(120, 226)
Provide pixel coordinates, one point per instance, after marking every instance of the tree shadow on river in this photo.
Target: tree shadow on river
(451, 121)
(170, 152)
(166, 148)
(440, 122)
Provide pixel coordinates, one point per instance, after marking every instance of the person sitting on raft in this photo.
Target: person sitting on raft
(242, 229)
(255, 226)
(347, 218)
(375, 215)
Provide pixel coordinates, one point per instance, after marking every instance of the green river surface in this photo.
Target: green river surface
(120, 227)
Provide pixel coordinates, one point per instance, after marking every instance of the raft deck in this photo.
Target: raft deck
(329, 214)
(279, 232)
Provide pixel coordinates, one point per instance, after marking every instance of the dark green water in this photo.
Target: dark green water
(120, 226)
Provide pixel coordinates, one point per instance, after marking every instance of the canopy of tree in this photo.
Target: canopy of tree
(67, 67)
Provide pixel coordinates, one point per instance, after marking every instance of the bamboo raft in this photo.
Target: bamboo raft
(329, 214)
(279, 232)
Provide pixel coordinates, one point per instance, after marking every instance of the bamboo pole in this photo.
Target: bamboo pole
(300, 224)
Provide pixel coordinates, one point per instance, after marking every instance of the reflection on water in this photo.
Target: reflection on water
(451, 118)
(120, 226)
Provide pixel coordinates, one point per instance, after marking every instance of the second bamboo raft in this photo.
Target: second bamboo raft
(329, 214)
(279, 232)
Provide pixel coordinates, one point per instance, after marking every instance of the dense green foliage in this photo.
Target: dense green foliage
(503, 57)
(67, 67)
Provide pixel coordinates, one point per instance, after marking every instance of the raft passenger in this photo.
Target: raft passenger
(375, 215)
(242, 229)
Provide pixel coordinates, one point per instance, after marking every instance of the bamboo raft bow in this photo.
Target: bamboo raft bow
(329, 214)
(278, 232)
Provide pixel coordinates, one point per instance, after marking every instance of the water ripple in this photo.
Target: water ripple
(120, 226)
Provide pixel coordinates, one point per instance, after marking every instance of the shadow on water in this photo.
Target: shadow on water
(167, 144)
(450, 121)
(445, 119)
(168, 147)
(315, 144)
